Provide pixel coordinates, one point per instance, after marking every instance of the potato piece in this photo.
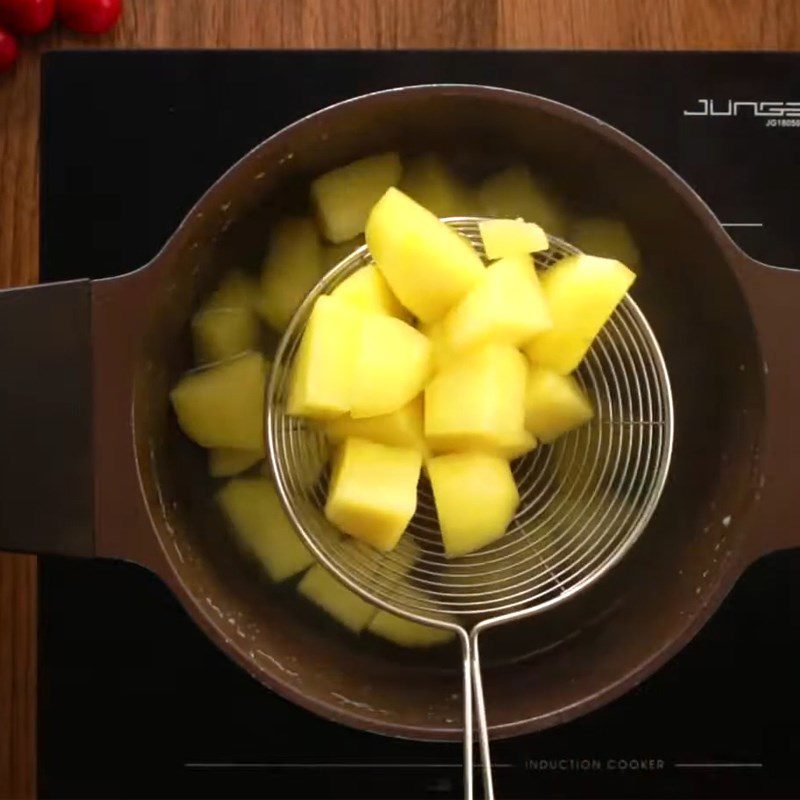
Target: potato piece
(367, 289)
(224, 462)
(222, 405)
(427, 265)
(225, 325)
(262, 528)
(428, 181)
(373, 491)
(609, 238)
(554, 404)
(220, 333)
(478, 402)
(582, 292)
(406, 632)
(513, 192)
(511, 237)
(332, 254)
(235, 290)
(506, 306)
(291, 269)
(322, 379)
(442, 354)
(344, 197)
(515, 445)
(393, 364)
(476, 498)
(332, 596)
(401, 428)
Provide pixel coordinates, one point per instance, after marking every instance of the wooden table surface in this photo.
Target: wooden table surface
(569, 24)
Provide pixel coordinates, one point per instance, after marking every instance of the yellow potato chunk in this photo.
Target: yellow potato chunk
(401, 428)
(223, 462)
(475, 497)
(235, 290)
(220, 333)
(506, 306)
(343, 197)
(373, 491)
(322, 379)
(609, 238)
(291, 268)
(428, 266)
(554, 404)
(393, 364)
(511, 237)
(367, 289)
(477, 402)
(429, 181)
(332, 254)
(515, 193)
(582, 292)
(332, 596)
(262, 528)
(222, 405)
(442, 354)
(515, 445)
(407, 632)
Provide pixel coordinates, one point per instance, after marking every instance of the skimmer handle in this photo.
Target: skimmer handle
(466, 690)
(480, 713)
(473, 698)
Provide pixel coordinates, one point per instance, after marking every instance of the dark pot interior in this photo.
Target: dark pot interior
(548, 668)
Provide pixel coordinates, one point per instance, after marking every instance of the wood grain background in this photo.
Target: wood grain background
(570, 24)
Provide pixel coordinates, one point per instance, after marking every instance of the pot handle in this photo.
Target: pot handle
(46, 488)
(773, 294)
(69, 481)
(120, 314)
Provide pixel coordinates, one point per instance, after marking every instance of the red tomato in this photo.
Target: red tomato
(8, 50)
(89, 16)
(27, 16)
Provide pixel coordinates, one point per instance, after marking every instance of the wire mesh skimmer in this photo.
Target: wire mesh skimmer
(584, 499)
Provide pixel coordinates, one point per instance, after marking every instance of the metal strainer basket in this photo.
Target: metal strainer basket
(584, 500)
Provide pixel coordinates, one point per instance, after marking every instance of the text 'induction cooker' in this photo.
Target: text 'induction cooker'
(135, 701)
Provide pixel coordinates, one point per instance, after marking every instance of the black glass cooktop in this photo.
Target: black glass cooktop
(134, 701)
